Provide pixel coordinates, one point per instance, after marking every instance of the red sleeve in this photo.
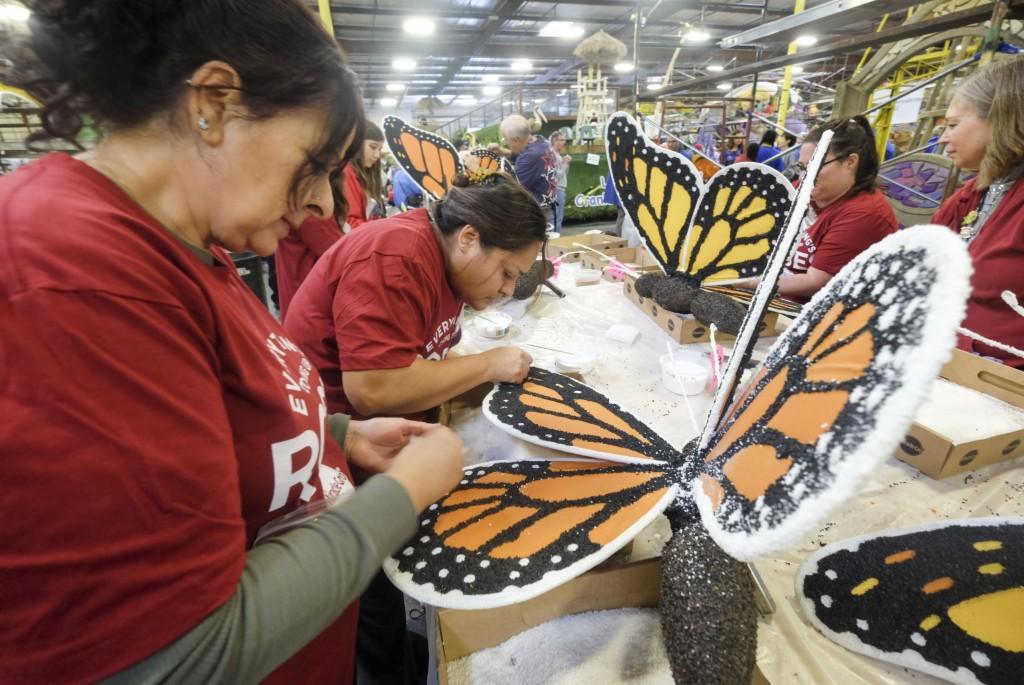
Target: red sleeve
(137, 438)
(355, 197)
(380, 314)
(849, 233)
(319, 234)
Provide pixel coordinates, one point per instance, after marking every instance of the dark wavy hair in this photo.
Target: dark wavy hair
(504, 213)
(120, 64)
(852, 136)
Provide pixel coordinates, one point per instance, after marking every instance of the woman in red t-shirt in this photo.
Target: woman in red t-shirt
(848, 213)
(985, 131)
(156, 418)
(378, 315)
(363, 181)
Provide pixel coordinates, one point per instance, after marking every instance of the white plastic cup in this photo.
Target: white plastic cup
(683, 376)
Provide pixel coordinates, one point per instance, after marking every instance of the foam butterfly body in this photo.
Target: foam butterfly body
(958, 586)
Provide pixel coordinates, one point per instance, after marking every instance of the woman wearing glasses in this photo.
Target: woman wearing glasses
(985, 131)
(848, 214)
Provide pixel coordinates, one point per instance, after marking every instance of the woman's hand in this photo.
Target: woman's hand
(429, 466)
(373, 444)
(507, 364)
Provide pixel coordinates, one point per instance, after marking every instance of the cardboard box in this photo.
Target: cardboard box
(936, 455)
(563, 245)
(636, 258)
(684, 328)
(461, 633)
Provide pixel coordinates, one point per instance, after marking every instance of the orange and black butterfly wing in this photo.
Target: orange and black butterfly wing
(945, 598)
(513, 530)
(556, 411)
(835, 394)
(489, 161)
(430, 160)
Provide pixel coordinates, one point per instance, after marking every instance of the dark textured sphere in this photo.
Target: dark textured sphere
(675, 293)
(646, 282)
(530, 279)
(716, 308)
(708, 614)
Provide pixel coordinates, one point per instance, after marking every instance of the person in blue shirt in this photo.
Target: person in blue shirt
(536, 164)
(406, 193)
(890, 149)
(767, 150)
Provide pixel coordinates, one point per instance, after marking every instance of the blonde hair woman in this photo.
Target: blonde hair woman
(985, 131)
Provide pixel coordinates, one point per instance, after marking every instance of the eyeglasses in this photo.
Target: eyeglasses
(801, 168)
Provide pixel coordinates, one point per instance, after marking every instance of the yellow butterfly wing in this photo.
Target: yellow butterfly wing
(736, 223)
(658, 188)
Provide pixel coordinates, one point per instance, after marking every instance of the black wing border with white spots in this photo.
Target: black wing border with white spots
(503, 408)
(883, 612)
(427, 569)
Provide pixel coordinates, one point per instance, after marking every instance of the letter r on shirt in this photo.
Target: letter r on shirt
(285, 479)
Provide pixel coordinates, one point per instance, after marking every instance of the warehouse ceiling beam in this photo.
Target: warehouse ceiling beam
(937, 24)
(493, 24)
(834, 13)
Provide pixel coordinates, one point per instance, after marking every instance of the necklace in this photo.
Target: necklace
(973, 222)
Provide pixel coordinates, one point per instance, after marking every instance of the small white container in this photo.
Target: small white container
(493, 324)
(684, 376)
(578, 362)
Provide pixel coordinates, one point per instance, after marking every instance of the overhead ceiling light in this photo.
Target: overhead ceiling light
(655, 79)
(395, 87)
(388, 102)
(418, 26)
(14, 12)
(806, 41)
(696, 35)
(724, 86)
(403, 64)
(563, 91)
(623, 66)
(654, 86)
(490, 78)
(798, 69)
(609, 101)
(715, 67)
(492, 90)
(522, 65)
(561, 29)
(537, 101)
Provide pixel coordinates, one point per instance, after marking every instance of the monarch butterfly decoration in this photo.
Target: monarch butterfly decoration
(717, 233)
(830, 403)
(490, 161)
(944, 598)
(430, 160)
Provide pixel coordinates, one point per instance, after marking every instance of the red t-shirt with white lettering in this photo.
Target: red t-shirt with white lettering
(842, 231)
(997, 253)
(167, 419)
(376, 300)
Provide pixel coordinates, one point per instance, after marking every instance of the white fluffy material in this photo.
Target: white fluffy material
(907, 657)
(944, 309)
